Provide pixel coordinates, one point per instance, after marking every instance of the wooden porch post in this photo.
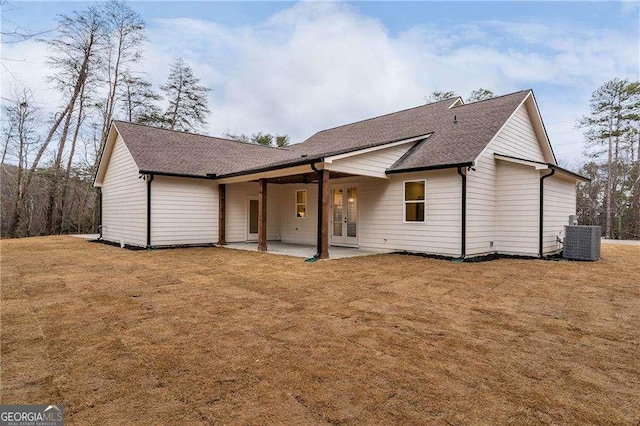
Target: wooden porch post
(262, 215)
(325, 199)
(222, 193)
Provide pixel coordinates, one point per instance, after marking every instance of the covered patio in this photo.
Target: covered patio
(302, 250)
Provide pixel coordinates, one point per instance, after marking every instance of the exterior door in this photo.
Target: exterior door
(252, 220)
(344, 215)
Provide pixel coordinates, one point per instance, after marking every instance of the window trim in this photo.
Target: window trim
(404, 201)
(305, 204)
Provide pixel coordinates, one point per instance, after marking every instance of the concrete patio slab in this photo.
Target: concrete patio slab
(303, 250)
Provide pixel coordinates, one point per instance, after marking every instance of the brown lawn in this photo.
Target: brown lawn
(215, 335)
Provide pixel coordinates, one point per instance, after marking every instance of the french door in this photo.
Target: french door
(344, 215)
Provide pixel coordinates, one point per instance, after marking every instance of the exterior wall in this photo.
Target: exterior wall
(294, 229)
(237, 210)
(381, 214)
(517, 138)
(559, 204)
(183, 211)
(517, 209)
(373, 163)
(124, 199)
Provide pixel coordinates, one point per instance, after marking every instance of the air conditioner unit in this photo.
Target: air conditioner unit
(581, 242)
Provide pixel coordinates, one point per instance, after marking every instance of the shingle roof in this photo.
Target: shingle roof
(463, 141)
(167, 151)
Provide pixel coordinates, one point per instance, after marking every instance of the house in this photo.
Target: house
(446, 178)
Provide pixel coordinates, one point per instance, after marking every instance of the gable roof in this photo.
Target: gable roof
(461, 133)
(454, 134)
(158, 150)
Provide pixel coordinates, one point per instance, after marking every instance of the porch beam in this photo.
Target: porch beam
(324, 201)
(222, 195)
(262, 215)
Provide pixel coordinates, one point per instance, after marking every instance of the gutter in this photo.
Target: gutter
(438, 167)
(463, 236)
(319, 227)
(541, 215)
(100, 207)
(149, 180)
(151, 172)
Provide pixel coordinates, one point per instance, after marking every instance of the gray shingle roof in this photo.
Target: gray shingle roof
(167, 151)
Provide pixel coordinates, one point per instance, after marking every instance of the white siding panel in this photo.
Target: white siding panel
(559, 204)
(517, 138)
(381, 214)
(124, 198)
(373, 163)
(237, 210)
(294, 229)
(183, 211)
(517, 196)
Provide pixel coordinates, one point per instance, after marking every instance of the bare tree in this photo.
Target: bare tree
(22, 138)
(75, 55)
(124, 33)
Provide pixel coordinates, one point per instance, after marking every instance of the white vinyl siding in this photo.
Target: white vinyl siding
(124, 199)
(237, 210)
(559, 204)
(183, 211)
(518, 194)
(296, 230)
(373, 163)
(517, 138)
(381, 218)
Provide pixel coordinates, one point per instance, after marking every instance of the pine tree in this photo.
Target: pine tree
(188, 105)
(439, 96)
(282, 140)
(610, 127)
(138, 100)
(480, 95)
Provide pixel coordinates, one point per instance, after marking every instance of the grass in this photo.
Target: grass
(216, 335)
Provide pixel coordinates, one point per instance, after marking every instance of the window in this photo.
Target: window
(414, 200)
(301, 203)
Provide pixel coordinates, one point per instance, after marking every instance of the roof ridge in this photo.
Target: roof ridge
(201, 135)
(493, 98)
(384, 115)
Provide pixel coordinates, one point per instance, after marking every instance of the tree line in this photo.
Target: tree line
(49, 159)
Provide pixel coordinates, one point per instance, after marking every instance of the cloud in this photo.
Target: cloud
(316, 65)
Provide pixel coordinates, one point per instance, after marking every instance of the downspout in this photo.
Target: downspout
(319, 230)
(541, 215)
(463, 248)
(100, 210)
(149, 180)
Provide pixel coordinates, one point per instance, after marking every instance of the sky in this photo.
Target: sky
(297, 68)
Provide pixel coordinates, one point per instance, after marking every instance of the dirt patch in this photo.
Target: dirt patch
(208, 335)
